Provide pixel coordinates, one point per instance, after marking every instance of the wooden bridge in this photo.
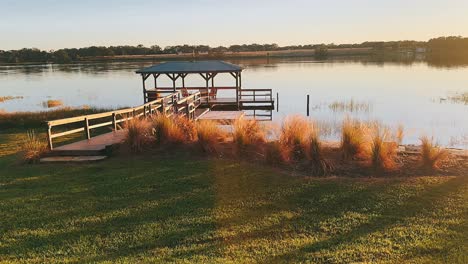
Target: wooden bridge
(97, 145)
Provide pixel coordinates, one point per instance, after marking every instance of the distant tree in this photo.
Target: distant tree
(321, 52)
(61, 56)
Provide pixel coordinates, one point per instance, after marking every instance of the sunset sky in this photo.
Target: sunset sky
(53, 24)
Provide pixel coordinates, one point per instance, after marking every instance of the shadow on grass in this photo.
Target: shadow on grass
(171, 207)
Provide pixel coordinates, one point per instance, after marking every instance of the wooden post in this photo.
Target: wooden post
(88, 134)
(114, 122)
(308, 102)
(144, 88)
(155, 81)
(240, 88)
(277, 102)
(49, 138)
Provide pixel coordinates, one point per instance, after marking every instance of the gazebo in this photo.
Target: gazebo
(208, 70)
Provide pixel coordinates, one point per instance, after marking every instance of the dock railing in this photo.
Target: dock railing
(255, 95)
(189, 104)
(111, 119)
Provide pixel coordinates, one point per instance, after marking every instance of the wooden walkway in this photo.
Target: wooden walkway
(97, 143)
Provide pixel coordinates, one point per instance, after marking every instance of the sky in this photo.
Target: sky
(54, 24)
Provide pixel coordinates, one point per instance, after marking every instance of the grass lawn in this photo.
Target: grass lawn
(172, 208)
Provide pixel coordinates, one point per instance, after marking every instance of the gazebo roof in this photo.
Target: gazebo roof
(214, 66)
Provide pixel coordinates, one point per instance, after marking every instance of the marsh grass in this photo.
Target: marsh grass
(52, 103)
(8, 98)
(353, 139)
(33, 148)
(461, 98)
(350, 106)
(139, 134)
(35, 120)
(432, 156)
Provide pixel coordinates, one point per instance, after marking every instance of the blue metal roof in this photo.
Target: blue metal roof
(191, 67)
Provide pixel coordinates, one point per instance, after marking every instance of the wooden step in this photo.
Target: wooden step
(75, 153)
(72, 159)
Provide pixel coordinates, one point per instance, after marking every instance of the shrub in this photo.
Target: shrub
(209, 135)
(382, 152)
(293, 138)
(352, 139)
(33, 148)
(139, 134)
(431, 155)
(248, 133)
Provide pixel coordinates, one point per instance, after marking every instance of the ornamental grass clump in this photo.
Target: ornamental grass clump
(139, 134)
(432, 155)
(383, 151)
(187, 127)
(248, 133)
(353, 143)
(33, 148)
(209, 134)
(315, 154)
(166, 130)
(293, 138)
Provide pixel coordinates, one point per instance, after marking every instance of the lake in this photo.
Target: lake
(425, 99)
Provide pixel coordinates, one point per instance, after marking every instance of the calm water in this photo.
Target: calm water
(416, 95)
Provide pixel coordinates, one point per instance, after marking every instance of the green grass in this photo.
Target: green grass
(173, 208)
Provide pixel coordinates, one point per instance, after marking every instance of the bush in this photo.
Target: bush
(33, 148)
(139, 134)
(431, 155)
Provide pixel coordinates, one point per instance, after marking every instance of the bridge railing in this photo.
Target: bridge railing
(112, 119)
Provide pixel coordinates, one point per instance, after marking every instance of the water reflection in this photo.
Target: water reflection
(392, 90)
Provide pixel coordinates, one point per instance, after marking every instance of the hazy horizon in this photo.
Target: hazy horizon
(53, 24)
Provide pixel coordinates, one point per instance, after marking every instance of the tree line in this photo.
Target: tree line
(442, 45)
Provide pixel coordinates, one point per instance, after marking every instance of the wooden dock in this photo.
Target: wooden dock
(221, 116)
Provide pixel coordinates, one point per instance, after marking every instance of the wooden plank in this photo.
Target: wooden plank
(221, 115)
(96, 143)
(81, 129)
